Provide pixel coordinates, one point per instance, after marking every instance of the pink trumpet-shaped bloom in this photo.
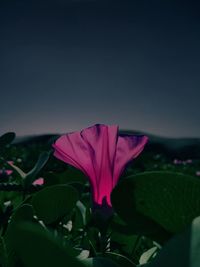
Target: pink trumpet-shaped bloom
(101, 154)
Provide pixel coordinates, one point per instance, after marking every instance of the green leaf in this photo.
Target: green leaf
(182, 250)
(72, 175)
(168, 199)
(3, 253)
(127, 243)
(32, 175)
(36, 246)
(6, 139)
(22, 214)
(120, 259)
(51, 178)
(99, 262)
(53, 203)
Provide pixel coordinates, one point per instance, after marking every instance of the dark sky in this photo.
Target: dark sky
(65, 65)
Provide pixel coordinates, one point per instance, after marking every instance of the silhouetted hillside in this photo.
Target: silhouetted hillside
(171, 147)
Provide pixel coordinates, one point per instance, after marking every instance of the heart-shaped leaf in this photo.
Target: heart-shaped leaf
(120, 259)
(182, 250)
(36, 246)
(53, 203)
(99, 262)
(3, 253)
(169, 199)
(22, 214)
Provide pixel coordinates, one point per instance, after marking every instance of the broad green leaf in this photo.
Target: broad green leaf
(51, 178)
(72, 175)
(99, 262)
(182, 250)
(53, 203)
(135, 223)
(120, 259)
(127, 243)
(36, 246)
(22, 214)
(3, 253)
(169, 199)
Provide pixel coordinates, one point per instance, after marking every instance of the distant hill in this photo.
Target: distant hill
(31, 139)
(173, 147)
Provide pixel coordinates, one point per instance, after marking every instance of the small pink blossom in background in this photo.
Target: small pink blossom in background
(8, 172)
(184, 162)
(39, 181)
(198, 173)
(102, 154)
(10, 162)
(177, 161)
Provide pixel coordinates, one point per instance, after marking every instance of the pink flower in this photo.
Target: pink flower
(39, 181)
(7, 172)
(101, 154)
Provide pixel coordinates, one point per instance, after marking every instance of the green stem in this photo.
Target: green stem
(104, 241)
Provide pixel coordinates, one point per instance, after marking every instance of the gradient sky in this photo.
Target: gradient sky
(65, 65)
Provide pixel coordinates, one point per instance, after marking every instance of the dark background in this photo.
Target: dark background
(65, 65)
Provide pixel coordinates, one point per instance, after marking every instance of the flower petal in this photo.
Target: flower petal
(128, 148)
(101, 155)
(102, 141)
